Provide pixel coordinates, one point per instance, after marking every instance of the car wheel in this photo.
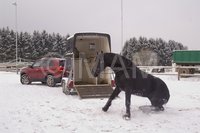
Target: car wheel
(25, 79)
(50, 81)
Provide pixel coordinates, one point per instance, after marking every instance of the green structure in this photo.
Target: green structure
(186, 58)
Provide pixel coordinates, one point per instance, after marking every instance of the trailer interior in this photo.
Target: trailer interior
(84, 59)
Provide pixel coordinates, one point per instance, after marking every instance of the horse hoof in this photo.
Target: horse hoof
(126, 117)
(159, 109)
(162, 108)
(104, 109)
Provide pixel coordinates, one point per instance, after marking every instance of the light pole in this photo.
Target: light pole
(15, 4)
(122, 30)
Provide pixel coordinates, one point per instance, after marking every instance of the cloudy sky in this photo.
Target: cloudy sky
(177, 20)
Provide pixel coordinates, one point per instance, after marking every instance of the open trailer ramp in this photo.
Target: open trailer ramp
(100, 91)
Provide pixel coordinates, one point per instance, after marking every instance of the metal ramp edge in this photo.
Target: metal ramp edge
(93, 91)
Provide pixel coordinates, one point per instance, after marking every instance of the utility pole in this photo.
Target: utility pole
(15, 4)
(122, 30)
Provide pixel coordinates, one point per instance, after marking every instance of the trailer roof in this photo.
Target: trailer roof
(87, 34)
(186, 50)
(186, 56)
(72, 39)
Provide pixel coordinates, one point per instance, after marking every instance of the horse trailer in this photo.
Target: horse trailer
(82, 49)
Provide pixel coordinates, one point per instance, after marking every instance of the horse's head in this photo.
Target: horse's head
(99, 65)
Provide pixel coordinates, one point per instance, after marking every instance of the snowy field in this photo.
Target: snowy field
(37, 108)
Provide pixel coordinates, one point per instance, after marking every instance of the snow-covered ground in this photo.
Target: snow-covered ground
(37, 108)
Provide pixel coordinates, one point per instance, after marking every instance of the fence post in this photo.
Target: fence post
(178, 73)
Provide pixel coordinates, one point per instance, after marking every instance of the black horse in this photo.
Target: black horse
(132, 80)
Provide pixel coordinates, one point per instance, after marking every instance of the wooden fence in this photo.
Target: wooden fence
(170, 70)
(13, 67)
(154, 70)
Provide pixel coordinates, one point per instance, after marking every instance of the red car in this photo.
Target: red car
(46, 70)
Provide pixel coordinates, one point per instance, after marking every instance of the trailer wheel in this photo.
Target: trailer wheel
(192, 70)
(65, 89)
(63, 86)
(184, 71)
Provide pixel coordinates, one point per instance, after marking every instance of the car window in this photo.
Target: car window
(62, 63)
(50, 63)
(37, 63)
(44, 63)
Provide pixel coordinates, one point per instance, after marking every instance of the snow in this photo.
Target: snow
(37, 108)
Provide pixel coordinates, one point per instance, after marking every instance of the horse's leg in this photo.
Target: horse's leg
(160, 96)
(127, 103)
(113, 96)
(157, 103)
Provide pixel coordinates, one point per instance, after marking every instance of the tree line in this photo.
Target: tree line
(31, 46)
(151, 51)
